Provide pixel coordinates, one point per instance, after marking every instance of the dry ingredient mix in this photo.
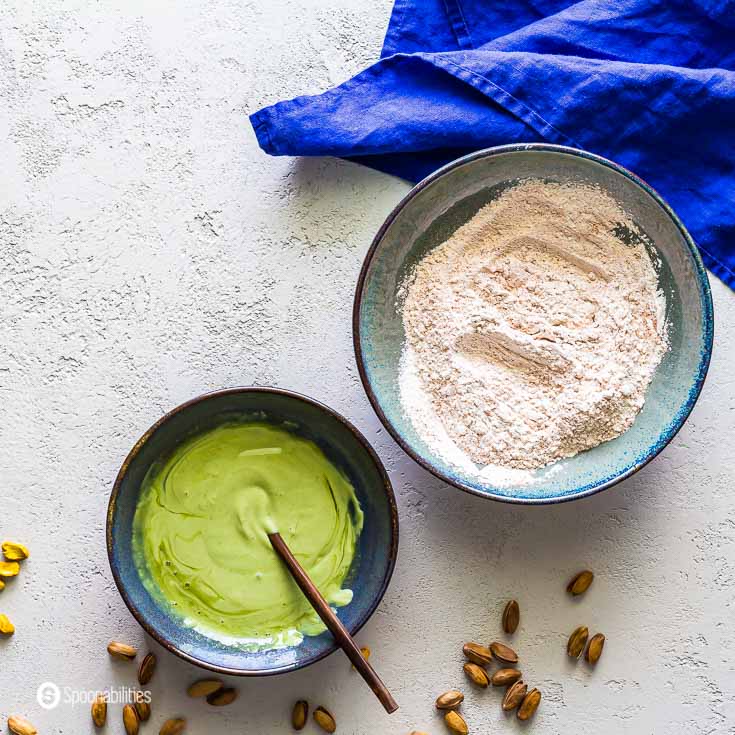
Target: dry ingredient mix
(533, 332)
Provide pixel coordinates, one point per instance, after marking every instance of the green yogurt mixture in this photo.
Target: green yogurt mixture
(200, 533)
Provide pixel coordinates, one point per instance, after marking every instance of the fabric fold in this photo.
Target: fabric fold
(647, 83)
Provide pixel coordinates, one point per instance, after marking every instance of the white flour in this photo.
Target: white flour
(532, 333)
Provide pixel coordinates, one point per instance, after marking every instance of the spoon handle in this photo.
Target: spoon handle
(333, 623)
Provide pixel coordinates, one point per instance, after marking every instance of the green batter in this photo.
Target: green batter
(201, 525)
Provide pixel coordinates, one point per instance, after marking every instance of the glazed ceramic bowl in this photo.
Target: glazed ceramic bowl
(433, 210)
(342, 444)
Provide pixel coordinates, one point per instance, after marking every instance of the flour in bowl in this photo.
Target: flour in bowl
(533, 332)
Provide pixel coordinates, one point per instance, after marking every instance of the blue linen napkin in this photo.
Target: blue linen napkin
(647, 83)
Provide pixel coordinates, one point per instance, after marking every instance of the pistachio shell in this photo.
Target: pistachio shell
(577, 641)
(6, 627)
(455, 722)
(9, 568)
(505, 677)
(324, 719)
(594, 649)
(99, 710)
(529, 705)
(477, 674)
(147, 668)
(503, 653)
(477, 654)
(122, 650)
(143, 709)
(511, 617)
(449, 700)
(204, 687)
(300, 714)
(174, 726)
(14, 551)
(222, 698)
(130, 720)
(20, 726)
(580, 582)
(514, 695)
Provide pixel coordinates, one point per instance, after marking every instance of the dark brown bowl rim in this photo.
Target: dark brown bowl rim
(392, 553)
(708, 318)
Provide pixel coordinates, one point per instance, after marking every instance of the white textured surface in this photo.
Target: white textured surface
(150, 252)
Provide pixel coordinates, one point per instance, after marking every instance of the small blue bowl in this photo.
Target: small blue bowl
(441, 203)
(339, 440)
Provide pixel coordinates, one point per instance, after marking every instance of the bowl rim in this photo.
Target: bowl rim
(704, 291)
(132, 605)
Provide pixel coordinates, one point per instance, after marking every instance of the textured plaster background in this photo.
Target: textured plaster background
(150, 252)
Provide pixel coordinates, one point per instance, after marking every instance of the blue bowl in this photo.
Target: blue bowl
(339, 440)
(441, 203)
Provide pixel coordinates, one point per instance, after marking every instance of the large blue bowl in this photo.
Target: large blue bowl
(441, 203)
(343, 445)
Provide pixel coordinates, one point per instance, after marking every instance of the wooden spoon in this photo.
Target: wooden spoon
(333, 623)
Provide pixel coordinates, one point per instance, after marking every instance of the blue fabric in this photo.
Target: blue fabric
(647, 83)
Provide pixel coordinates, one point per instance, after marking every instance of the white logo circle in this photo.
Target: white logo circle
(48, 695)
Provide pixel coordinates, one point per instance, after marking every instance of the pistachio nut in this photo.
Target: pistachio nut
(204, 687)
(449, 700)
(222, 698)
(300, 714)
(503, 653)
(13, 551)
(577, 641)
(580, 583)
(99, 710)
(511, 617)
(529, 705)
(477, 654)
(174, 726)
(505, 677)
(455, 722)
(122, 650)
(147, 668)
(514, 695)
(130, 720)
(594, 648)
(477, 674)
(325, 720)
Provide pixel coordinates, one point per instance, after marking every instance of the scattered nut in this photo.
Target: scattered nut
(324, 719)
(21, 726)
(477, 654)
(204, 687)
(594, 649)
(577, 642)
(477, 674)
(511, 617)
(130, 720)
(6, 627)
(122, 651)
(14, 551)
(174, 726)
(449, 700)
(222, 698)
(529, 705)
(300, 714)
(455, 722)
(503, 653)
(580, 583)
(99, 710)
(505, 677)
(142, 709)
(514, 696)
(147, 668)
(2, 585)
(9, 568)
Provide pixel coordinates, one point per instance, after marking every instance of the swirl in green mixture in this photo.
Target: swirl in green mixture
(201, 525)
